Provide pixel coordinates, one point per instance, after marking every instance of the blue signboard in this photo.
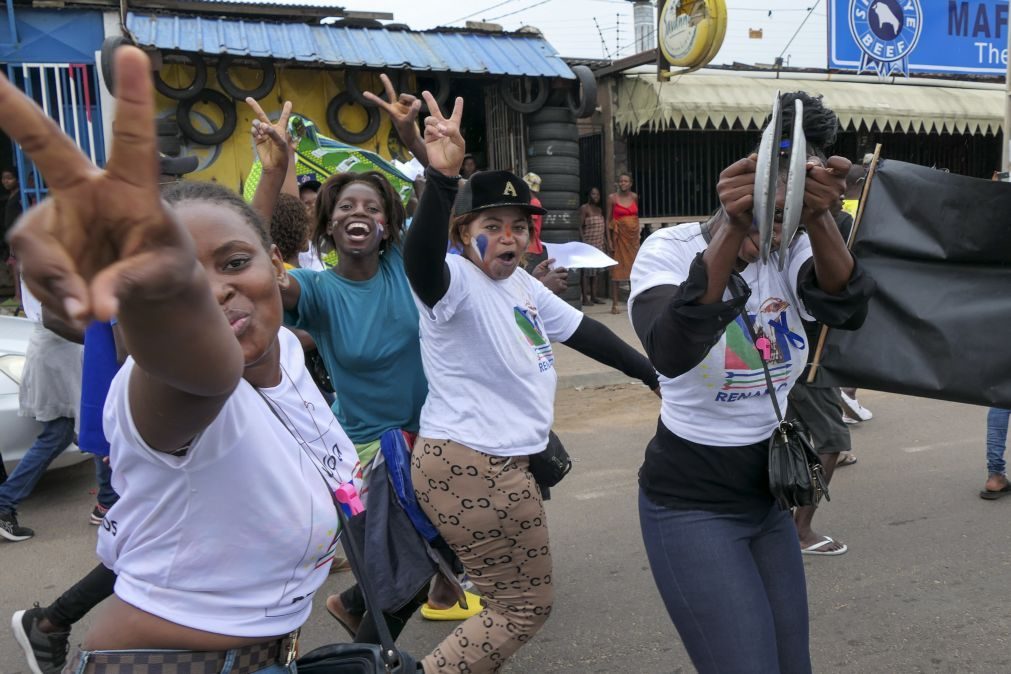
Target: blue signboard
(899, 37)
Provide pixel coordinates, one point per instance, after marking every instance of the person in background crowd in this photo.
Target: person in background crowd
(469, 167)
(50, 392)
(491, 394)
(623, 233)
(997, 485)
(592, 229)
(726, 559)
(533, 181)
(8, 215)
(289, 229)
(213, 413)
(309, 258)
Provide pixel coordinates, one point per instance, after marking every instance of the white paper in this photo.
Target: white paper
(578, 255)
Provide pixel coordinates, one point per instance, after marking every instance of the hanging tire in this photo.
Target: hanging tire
(559, 201)
(526, 107)
(109, 47)
(559, 235)
(188, 92)
(338, 129)
(171, 146)
(265, 66)
(583, 95)
(558, 165)
(556, 220)
(560, 182)
(553, 131)
(397, 79)
(441, 93)
(553, 148)
(228, 115)
(551, 115)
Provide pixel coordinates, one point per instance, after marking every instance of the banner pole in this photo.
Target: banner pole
(1005, 155)
(813, 370)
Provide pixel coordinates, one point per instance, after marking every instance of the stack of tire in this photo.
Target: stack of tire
(553, 154)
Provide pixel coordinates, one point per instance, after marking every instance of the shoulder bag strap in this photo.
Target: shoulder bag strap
(391, 656)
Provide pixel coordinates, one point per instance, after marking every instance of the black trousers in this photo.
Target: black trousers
(83, 596)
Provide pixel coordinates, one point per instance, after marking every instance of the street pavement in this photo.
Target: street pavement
(922, 589)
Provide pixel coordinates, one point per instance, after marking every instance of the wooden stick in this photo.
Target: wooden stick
(813, 372)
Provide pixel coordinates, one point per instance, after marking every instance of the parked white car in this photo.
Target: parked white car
(18, 433)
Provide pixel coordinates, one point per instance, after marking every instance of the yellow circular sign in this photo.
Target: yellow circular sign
(690, 32)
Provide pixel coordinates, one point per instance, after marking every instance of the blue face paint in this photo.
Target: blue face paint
(481, 244)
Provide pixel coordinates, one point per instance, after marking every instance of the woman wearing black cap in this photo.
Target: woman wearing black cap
(486, 333)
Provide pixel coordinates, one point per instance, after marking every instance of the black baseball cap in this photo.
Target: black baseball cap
(494, 189)
(310, 184)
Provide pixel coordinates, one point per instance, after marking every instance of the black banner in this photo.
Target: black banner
(939, 326)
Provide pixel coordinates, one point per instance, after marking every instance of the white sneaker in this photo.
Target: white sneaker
(857, 411)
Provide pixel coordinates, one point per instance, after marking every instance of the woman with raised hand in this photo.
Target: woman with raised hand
(724, 556)
(363, 320)
(486, 333)
(225, 455)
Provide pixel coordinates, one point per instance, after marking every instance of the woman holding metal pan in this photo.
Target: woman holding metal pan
(725, 557)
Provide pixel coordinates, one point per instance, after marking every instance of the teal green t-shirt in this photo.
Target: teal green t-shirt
(367, 334)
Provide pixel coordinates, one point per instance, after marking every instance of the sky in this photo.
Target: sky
(603, 28)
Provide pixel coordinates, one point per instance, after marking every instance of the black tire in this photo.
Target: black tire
(441, 93)
(194, 88)
(554, 131)
(559, 201)
(553, 148)
(338, 129)
(109, 47)
(551, 115)
(583, 95)
(228, 114)
(397, 78)
(167, 126)
(556, 220)
(266, 67)
(559, 235)
(170, 145)
(563, 165)
(525, 107)
(560, 182)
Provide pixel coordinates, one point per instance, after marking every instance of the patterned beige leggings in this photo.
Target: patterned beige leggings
(489, 511)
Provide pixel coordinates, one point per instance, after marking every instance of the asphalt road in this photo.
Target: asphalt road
(923, 588)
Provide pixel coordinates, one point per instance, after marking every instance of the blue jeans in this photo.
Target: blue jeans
(80, 662)
(107, 496)
(733, 584)
(996, 439)
(55, 437)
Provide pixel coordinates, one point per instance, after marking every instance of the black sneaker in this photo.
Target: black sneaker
(46, 653)
(98, 514)
(11, 530)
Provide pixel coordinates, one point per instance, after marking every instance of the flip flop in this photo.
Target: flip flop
(456, 611)
(994, 495)
(816, 548)
(848, 460)
(341, 622)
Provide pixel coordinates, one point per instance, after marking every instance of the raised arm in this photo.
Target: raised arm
(427, 240)
(403, 110)
(274, 151)
(104, 244)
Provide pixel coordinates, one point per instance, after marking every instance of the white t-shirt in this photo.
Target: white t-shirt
(237, 535)
(486, 349)
(723, 401)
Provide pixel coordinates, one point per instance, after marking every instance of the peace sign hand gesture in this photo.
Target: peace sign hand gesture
(272, 140)
(101, 236)
(402, 109)
(443, 142)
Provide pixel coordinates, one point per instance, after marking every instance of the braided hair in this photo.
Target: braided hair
(820, 123)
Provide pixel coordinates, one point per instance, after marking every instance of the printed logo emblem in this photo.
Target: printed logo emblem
(533, 333)
(886, 32)
(509, 191)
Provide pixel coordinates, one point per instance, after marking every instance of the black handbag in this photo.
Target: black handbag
(550, 465)
(796, 477)
(354, 658)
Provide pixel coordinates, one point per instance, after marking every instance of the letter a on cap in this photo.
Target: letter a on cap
(510, 190)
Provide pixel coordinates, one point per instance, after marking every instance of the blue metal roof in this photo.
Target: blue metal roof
(457, 52)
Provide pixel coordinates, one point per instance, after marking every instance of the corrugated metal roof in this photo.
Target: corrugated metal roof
(327, 4)
(474, 53)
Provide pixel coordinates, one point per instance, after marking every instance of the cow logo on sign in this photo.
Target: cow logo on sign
(886, 32)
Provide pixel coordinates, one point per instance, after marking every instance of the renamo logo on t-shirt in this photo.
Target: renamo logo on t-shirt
(744, 376)
(530, 327)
